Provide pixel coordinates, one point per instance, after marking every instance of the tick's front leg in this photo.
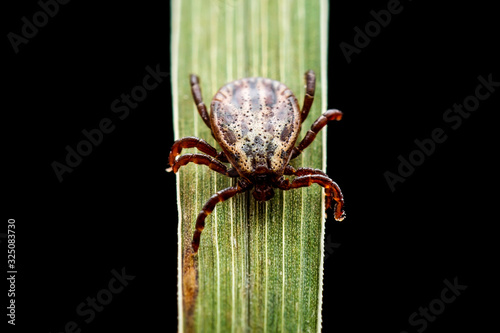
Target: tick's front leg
(315, 128)
(332, 190)
(209, 206)
(289, 171)
(194, 142)
(211, 162)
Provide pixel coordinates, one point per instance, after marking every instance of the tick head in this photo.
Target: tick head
(262, 178)
(263, 192)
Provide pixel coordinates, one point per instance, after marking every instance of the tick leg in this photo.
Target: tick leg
(210, 205)
(332, 190)
(193, 142)
(211, 162)
(290, 170)
(310, 78)
(198, 99)
(315, 128)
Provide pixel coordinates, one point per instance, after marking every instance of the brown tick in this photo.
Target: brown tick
(256, 121)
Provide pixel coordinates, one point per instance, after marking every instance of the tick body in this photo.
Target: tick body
(257, 122)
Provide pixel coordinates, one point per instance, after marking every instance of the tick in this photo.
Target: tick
(256, 121)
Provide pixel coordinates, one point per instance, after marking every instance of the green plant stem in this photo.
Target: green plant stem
(260, 264)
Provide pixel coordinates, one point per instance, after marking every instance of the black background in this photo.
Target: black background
(117, 208)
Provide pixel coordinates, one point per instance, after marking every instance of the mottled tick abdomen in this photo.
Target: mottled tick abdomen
(256, 121)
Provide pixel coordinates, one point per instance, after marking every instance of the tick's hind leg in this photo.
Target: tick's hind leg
(310, 176)
(309, 96)
(198, 99)
(210, 205)
(315, 128)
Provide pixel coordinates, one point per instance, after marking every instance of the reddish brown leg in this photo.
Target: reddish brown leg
(209, 206)
(309, 97)
(315, 128)
(198, 99)
(289, 170)
(193, 142)
(211, 162)
(332, 190)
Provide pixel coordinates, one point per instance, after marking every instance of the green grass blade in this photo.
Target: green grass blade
(260, 264)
